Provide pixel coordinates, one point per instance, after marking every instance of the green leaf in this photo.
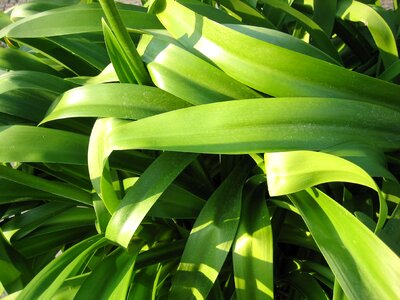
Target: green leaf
(392, 73)
(14, 192)
(307, 286)
(253, 249)
(262, 125)
(120, 264)
(107, 75)
(18, 80)
(122, 44)
(210, 239)
(21, 225)
(177, 203)
(348, 245)
(9, 271)
(12, 59)
(27, 104)
(121, 64)
(268, 68)
(34, 144)
(23, 10)
(324, 14)
(283, 40)
(187, 76)
(85, 49)
(290, 172)
(125, 101)
(356, 11)
(248, 14)
(141, 197)
(320, 38)
(46, 283)
(61, 56)
(75, 19)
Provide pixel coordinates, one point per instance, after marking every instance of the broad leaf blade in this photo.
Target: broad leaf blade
(210, 239)
(142, 196)
(348, 245)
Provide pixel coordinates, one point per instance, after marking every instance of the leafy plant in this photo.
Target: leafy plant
(200, 150)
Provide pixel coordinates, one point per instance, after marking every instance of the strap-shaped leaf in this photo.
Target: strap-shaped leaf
(263, 125)
(35, 144)
(187, 76)
(385, 41)
(75, 19)
(210, 239)
(324, 14)
(290, 172)
(41, 184)
(253, 249)
(120, 264)
(348, 245)
(12, 59)
(124, 101)
(33, 80)
(46, 283)
(268, 68)
(118, 39)
(320, 38)
(141, 197)
(283, 40)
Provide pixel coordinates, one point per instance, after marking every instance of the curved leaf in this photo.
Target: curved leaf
(269, 68)
(46, 283)
(320, 38)
(290, 172)
(75, 19)
(141, 197)
(34, 144)
(116, 100)
(356, 11)
(348, 245)
(253, 249)
(181, 73)
(12, 59)
(210, 239)
(262, 125)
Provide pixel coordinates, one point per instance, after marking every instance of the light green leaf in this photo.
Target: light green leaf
(187, 76)
(120, 264)
(46, 283)
(125, 101)
(75, 19)
(253, 249)
(320, 38)
(283, 40)
(348, 245)
(262, 125)
(290, 172)
(385, 41)
(126, 49)
(210, 239)
(35, 144)
(141, 197)
(268, 68)
(12, 59)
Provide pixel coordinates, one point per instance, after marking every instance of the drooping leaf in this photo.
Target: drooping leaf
(142, 196)
(284, 73)
(210, 239)
(348, 245)
(290, 172)
(34, 144)
(262, 125)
